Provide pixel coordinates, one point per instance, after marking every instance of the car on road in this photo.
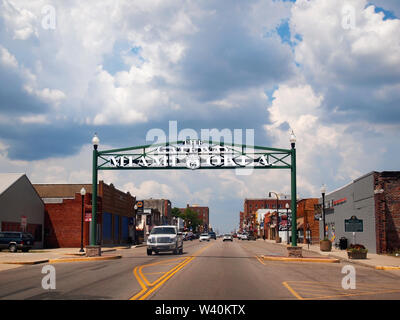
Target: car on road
(14, 241)
(165, 238)
(244, 236)
(213, 235)
(189, 236)
(204, 237)
(251, 237)
(227, 237)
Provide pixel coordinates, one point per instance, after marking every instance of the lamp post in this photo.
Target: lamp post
(277, 214)
(293, 189)
(93, 224)
(134, 224)
(323, 191)
(287, 222)
(83, 192)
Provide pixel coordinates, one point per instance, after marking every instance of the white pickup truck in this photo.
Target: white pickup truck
(165, 238)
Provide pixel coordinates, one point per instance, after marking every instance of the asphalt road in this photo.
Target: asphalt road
(206, 271)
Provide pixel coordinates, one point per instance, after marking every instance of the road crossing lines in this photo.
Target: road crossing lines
(149, 287)
(315, 290)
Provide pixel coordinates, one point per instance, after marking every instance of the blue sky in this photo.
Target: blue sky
(122, 68)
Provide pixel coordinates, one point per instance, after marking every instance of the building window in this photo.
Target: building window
(266, 206)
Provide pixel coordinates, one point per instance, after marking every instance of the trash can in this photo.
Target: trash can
(343, 243)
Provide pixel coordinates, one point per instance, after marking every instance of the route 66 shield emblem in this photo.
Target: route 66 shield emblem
(193, 162)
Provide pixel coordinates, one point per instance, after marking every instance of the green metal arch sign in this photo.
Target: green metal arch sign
(194, 155)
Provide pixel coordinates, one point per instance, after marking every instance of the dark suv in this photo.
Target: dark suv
(13, 241)
(213, 235)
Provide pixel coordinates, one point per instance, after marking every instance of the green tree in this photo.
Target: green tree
(192, 219)
(176, 212)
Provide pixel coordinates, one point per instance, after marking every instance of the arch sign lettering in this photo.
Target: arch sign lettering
(195, 155)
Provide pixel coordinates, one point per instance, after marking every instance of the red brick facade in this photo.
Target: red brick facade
(305, 215)
(387, 211)
(203, 214)
(63, 206)
(63, 222)
(248, 217)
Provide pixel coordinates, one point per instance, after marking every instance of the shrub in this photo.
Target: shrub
(357, 248)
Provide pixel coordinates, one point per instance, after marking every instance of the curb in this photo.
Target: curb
(288, 259)
(140, 245)
(26, 262)
(84, 259)
(387, 268)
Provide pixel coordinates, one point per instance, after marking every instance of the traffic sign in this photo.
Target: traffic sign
(88, 217)
(24, 221)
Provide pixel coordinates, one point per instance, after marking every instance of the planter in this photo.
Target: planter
(357, 255)
(325, 245)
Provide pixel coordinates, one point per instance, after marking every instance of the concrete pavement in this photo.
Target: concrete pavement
(206, 271)
(376, 261)
(10, 260)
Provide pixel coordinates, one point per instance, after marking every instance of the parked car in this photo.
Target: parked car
(244, 236)
(204, 237)
(213, 235)
(14, 241)
(190, 236)
(165, 238)
(251, 237)
(227, 237)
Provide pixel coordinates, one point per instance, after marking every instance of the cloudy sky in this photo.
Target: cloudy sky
(328, 69)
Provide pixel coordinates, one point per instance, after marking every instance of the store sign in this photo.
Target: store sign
(193, 154)
(338, 202)
(139, 205)
(353, 225)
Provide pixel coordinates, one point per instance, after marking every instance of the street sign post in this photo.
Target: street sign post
(353, 225)
(24, 222)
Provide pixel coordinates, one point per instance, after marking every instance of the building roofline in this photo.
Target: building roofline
(12, 183)
(350, 183)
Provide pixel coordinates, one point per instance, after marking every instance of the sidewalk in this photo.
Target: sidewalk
(10, 260)
(376, 261)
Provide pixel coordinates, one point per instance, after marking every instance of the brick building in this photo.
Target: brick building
(162, 207)
(373, 202)
(306, 221)
(63, 207)
(248, 218)
(203, 214)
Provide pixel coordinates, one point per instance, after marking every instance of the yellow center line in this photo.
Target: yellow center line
(167, 275)
(150, 284)
(154, 272)
(163, 281)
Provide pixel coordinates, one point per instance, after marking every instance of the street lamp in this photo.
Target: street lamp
(287, 222)
(134, 224)
(83, 192)
(277, 214)
(323, 191)
(95, 142)
(293, 189)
